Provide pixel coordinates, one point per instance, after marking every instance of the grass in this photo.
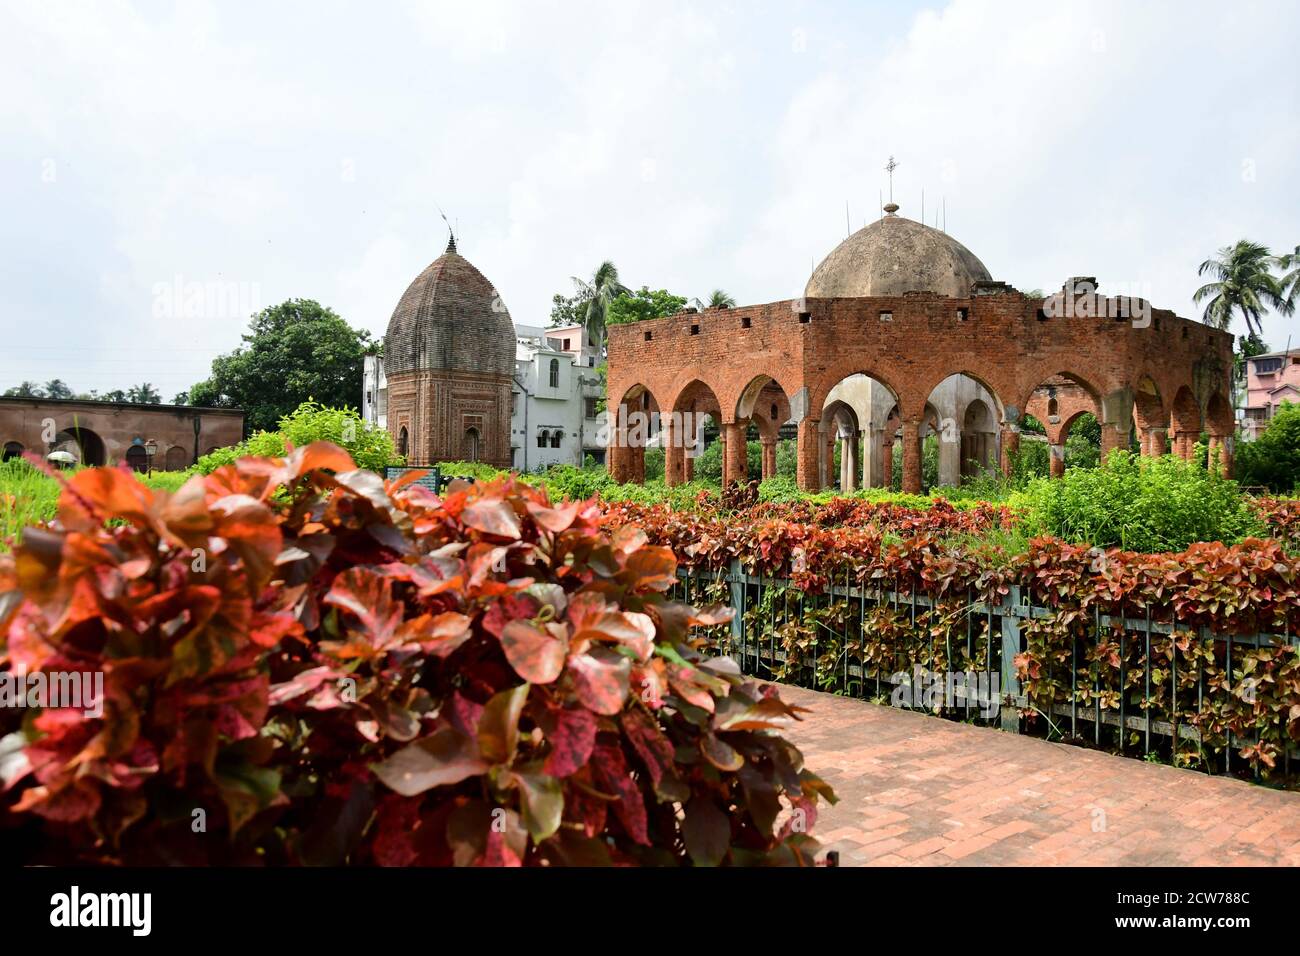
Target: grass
(29, 497)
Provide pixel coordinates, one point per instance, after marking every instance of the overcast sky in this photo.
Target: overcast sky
(272, 150)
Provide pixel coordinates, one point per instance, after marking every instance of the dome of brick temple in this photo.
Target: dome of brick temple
(450, 319)
(893, 256)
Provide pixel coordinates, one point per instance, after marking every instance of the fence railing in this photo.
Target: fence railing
(1132, 684)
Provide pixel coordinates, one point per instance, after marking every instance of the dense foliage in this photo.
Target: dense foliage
(293, 352)
(1273, 459)
(369, 445)
(305, 664)
(1141, 504)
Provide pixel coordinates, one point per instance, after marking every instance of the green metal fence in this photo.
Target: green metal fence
(867, 641)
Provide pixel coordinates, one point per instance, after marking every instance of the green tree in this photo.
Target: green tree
(143, 394)
(568, 310)
(1289, 284)
(644, 303)
(293, 352)
(603, 288)
(116, 395)
(718, 299)
(1273, 459)
(25, 390)
(182, 398)
(57, 388)
(1243, 284)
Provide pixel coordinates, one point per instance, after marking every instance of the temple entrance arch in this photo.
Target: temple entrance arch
(694, 422)
(861, 414)
(1054, 407)
(636, 427)
(762, 409)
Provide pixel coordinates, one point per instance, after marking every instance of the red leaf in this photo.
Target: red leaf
(600, 679)
(536, 656)
(492, 516)
(572, 736)
(613, 777)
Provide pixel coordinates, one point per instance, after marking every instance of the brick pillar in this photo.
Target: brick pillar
(809, 455)
(1222, 446)
(688, 467)
(1010, 447)
(674, 452)
(828, 460)
(1112, 437)
(1183, 443)
(912, 457)
(734, 467)
(1056, 459)
(1153, 444)
(769, 458)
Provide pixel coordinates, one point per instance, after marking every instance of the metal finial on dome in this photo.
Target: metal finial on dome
(891, 208)
(451, 243)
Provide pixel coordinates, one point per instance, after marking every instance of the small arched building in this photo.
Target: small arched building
(448, 359)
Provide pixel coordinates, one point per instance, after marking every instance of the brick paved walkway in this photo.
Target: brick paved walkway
(918, 790)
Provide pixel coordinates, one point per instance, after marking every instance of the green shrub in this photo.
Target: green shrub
(1140, 504)
(1273, 459)
(369, 445)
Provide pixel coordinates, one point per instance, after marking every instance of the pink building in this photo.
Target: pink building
(1270, 380)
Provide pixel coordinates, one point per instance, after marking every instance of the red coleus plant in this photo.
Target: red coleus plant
(302, 663)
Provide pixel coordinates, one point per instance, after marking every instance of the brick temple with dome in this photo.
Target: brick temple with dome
(902, 332)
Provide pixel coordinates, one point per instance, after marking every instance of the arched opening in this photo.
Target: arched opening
(557, 437)
(176, 458)
(555, 373)
(635, 428)
(1184, 423)
(544, 438)
(137, 459)
(86, 447)
(763, 412)
(959, 433)
(1150, 423)
(1059, 429)
(12, 449)
(979, 440)
(841, 465)
(403, 439)
(469, 446)
(875, 451)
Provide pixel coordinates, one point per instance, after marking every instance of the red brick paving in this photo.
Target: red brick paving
(921, 791)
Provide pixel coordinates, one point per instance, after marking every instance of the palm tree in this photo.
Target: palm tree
(603, 288)
(57, 388)
(144, 394)
(717, 300)
(1289, 284)
(1244, 285)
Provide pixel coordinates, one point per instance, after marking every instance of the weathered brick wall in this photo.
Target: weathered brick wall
(911, 343)
(115, 425)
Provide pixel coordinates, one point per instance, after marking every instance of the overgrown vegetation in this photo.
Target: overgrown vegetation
(1273, 459)
(369, 445)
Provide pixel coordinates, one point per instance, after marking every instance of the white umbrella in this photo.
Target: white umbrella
(62, 457)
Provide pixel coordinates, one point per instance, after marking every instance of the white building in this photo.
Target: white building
(553, 416)
(554, 398)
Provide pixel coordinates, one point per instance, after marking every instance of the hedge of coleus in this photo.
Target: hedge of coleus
(304, 664)
(1249, 705)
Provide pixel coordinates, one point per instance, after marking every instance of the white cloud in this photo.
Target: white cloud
(307, 148)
